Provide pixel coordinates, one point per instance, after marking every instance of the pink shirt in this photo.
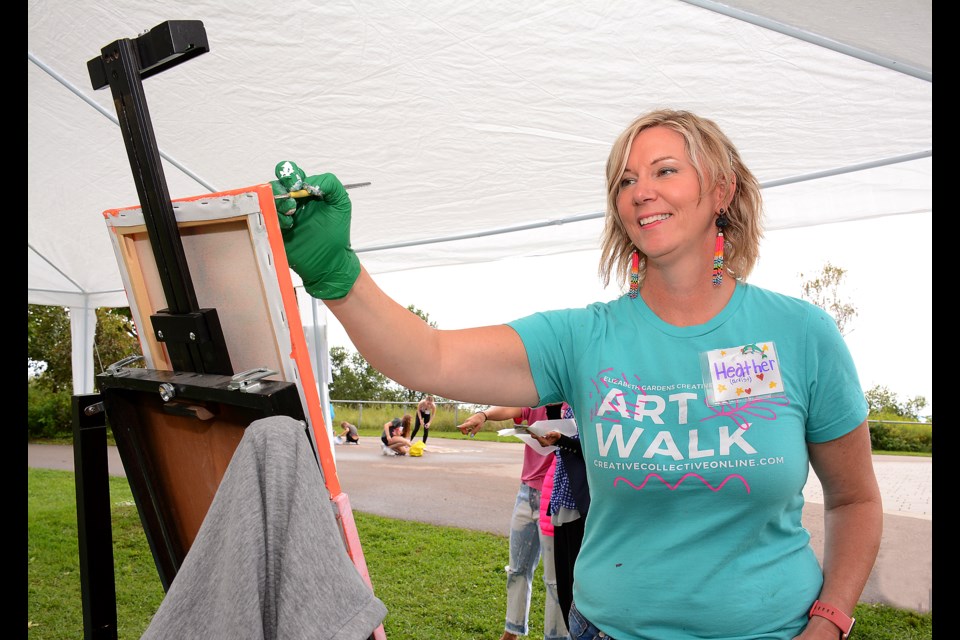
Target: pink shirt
(546, 522)
(534, 465)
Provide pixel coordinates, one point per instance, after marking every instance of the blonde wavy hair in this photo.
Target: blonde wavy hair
(716, 160)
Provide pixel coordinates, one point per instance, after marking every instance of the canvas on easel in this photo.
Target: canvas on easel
(234, 250)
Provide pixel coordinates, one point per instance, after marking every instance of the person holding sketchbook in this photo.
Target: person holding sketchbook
(528, 542)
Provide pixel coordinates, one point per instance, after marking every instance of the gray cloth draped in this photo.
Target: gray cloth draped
(269, 561)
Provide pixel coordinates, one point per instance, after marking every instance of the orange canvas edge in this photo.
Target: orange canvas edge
(298, 343)
(301, 355)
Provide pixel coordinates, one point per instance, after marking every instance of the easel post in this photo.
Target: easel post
(94, 529)
(194, 337)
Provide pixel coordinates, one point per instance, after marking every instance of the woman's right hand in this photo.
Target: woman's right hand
(472, 425)
(316, 237)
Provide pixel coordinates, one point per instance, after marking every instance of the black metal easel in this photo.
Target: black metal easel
(192, 335)
(201, 385)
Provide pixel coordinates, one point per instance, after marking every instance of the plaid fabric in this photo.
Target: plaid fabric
(561, 495)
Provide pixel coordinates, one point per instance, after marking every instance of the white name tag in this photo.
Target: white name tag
(737, 373)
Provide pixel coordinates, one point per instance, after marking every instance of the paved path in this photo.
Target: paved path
(471, 484)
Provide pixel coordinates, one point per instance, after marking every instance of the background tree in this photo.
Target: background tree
(354, 379)
(884, 403)
(824, 291)
(49, 350)
(48, 342)
(50, 362)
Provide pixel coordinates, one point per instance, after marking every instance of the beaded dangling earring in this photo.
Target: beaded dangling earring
(635, 274)
(722, 222)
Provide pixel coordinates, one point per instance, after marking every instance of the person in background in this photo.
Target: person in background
(395, 432)
(564, 502)
(547, 530)
(349, 433)
(529, 542)
(567, 509)
(426, 409)
(703, 401)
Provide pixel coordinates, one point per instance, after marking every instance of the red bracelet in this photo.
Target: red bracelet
(843, 621)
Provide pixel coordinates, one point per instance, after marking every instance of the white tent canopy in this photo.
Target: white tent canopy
(483, 127)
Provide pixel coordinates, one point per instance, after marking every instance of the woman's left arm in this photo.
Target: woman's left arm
(853, 518)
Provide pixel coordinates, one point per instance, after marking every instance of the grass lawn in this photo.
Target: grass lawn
(437, 582)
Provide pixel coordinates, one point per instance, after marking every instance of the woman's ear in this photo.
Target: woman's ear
(726, 188)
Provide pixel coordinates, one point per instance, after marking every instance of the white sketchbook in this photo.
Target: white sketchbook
(566, 426)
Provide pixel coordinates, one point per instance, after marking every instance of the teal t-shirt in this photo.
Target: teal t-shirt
(695, 443)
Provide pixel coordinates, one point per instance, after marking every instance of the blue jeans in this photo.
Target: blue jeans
(527, 546)
(583, 629)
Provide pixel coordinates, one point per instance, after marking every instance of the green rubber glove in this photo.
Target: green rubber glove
(285, 206)
(317, 240)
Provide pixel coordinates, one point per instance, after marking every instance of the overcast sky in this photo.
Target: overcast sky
(889, 281)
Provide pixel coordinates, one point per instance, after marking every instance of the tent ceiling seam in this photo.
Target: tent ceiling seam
(853, 168)
(806, 36)
(582, 217)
